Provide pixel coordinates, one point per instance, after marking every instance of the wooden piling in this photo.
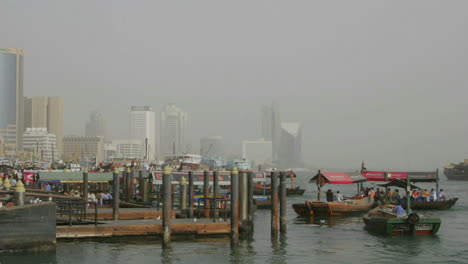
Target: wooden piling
(234, 203)
(190, 194)
(282, 198)
(183, 195)
(216, 193)
(243, 203)
(167, 205)
(206, 192)
(116, 201)
(85, 189)
(141, 185)
(274, 204)
(250, 193)
(129, 192)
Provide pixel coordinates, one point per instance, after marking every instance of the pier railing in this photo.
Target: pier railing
(74, 211)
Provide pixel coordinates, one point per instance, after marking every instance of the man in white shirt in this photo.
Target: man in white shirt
(442, 195)
(339, 197)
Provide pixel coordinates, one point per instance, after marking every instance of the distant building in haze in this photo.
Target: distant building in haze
(257, 151)
(270, 127)
(211, 146)
(11, 96)
(45, 112)
(173, 123)
(80, 148)
(40, 143)
(290, 151)
(129, 148)
(96, 126)
(142, 127)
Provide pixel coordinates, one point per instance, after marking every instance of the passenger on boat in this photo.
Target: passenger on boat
(377, 195)
(399, 210)
(396, 195)
(442, 195)
(415, 194)
(339, 197)
(425, 195)
(329, 195)
(433, 195)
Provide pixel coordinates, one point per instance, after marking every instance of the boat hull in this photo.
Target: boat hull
(457, 177)
(400, 226)
(334, 208)
(289, 191)
(262, 203)
(28, 227)
(437, 205)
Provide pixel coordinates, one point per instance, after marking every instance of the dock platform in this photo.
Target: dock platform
(143, 228)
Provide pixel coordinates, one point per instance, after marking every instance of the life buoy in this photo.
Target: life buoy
(413, 218)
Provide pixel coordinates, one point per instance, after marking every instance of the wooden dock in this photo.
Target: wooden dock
(127, 213)
(143, 228)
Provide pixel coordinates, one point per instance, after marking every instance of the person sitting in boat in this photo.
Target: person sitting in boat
(415, 194)
(442, 195)
(399, 210)
(433, 195)
(377, 195)
(396, 195)
(339, 197)
(329, 195)
(425, 195)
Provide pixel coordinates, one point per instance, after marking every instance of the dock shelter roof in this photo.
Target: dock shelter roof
(73, 176)
(337, 178)
(398, 183)
(415, 176)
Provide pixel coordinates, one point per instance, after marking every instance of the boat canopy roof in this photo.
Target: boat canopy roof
(398, 183)
(336, 178)
(416, 176)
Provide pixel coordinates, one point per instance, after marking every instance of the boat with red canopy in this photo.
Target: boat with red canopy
(354, 205)
(398, 179)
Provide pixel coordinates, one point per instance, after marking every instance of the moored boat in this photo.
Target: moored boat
(457, 172)
(262, 188)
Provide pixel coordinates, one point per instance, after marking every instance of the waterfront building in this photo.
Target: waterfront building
(211, 146)
(96, 126)
(142, 127)
(42, 144)
(11, 93)
(79, 148)
(45, 112)
(257, 151)
(129, 148)
(290, 152)
(8, 141)
(173, 123)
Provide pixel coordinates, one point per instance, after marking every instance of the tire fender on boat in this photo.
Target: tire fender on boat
(413, 218)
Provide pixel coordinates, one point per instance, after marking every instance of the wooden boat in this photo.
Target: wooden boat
(262, 202)
(433, 205)
(457, 172)
(334, 208)
(383, 221)
(354, 205)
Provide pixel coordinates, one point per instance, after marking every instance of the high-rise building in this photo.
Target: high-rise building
(173, 123)
(142, 127)
(96, 126)
(45, 112)
(11, 92)
(82, 148)
(270, 127)
(129, 148)
(42, 144)
(290, 152)
(257, 151)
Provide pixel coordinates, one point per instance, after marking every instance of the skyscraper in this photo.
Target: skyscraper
(11, 93)
(270, 127)
(290, 151)
(45, 112)
(173, 123)
(96, 126)
(142, 126)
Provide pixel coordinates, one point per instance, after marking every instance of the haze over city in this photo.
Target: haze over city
(367, 80)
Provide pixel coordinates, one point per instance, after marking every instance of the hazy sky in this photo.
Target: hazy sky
(380, 81)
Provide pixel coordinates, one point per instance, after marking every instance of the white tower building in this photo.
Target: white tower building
(173, 123)
(142, 126)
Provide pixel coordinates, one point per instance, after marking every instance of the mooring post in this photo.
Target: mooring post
(141, 185)
(216, 194)
(124, 183)
(19, 193)
(274, 204)
(243, 210)
(116, 202)
(206, 192)
(282, 193)
(190, 194)
(130, 175)
(250, 193)
(183, 195)
(85, 189)
(234, 203)
(167, 204)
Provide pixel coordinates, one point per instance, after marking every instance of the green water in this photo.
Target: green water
(338, 240)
